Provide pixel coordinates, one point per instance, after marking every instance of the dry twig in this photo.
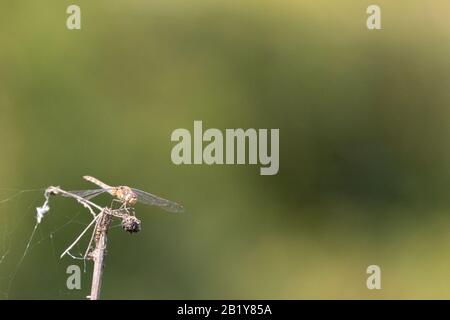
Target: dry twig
(97, 246)
(98, 254)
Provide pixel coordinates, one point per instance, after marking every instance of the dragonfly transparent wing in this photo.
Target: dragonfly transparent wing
(151, 199)
(89, 194)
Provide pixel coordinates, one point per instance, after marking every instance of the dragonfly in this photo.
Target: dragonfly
(128, 196)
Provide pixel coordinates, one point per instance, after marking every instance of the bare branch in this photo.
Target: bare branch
(102, 221)
(98, 255)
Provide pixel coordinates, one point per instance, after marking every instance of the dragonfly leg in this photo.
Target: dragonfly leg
(125, 207)
(121, 207)
(116, 201)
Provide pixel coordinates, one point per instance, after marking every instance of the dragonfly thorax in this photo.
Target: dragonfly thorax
(125, 195)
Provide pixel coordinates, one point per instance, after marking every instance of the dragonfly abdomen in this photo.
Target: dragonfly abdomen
(98, 182)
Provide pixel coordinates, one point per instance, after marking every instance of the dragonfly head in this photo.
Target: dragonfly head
(132, 198)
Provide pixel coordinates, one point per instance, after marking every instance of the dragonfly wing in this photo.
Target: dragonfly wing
(151, 199)
(88, 194)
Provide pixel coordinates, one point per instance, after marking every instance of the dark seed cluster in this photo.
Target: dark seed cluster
(131, 224)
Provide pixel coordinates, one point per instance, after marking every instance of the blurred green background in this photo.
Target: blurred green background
(364, 161)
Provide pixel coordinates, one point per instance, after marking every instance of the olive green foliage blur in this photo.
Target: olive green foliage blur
(364, 158)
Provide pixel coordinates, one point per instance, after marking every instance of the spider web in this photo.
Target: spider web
(21, 235)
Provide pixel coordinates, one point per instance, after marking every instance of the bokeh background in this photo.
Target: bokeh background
(364, 158)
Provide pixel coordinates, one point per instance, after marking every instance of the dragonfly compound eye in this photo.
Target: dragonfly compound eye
(130, 197)
(131, 224)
